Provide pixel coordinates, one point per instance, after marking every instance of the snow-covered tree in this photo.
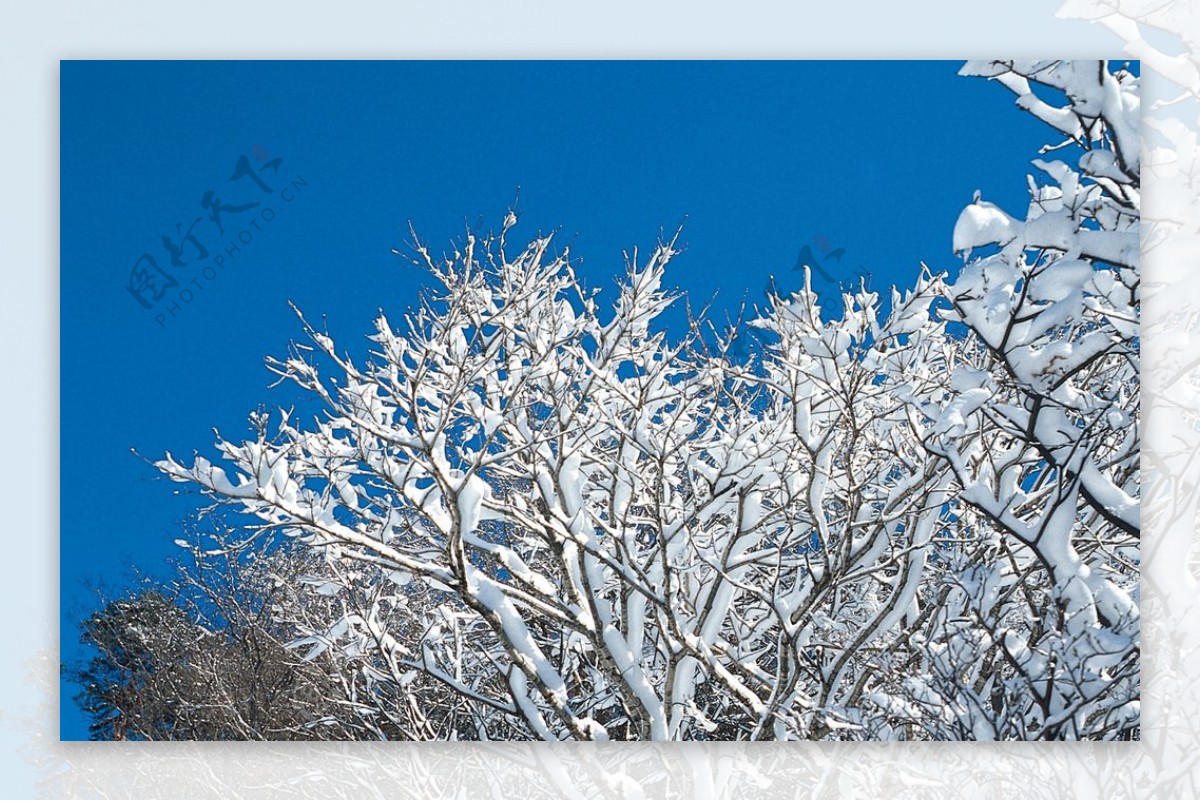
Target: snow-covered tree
(204, 656)
(1039, 424)
(916, 520)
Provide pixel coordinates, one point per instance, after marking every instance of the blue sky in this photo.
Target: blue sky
(761, 158)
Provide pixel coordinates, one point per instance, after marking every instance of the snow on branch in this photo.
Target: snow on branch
(884, 528)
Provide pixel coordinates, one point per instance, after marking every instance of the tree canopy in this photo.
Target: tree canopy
(530, 513)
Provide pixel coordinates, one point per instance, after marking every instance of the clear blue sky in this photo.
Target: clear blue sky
(762, 158)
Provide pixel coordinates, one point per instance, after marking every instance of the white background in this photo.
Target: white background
(34, 37)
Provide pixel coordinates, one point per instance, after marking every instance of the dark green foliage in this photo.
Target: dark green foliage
(201, 659)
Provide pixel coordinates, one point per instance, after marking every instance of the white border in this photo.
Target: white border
(33, 37)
